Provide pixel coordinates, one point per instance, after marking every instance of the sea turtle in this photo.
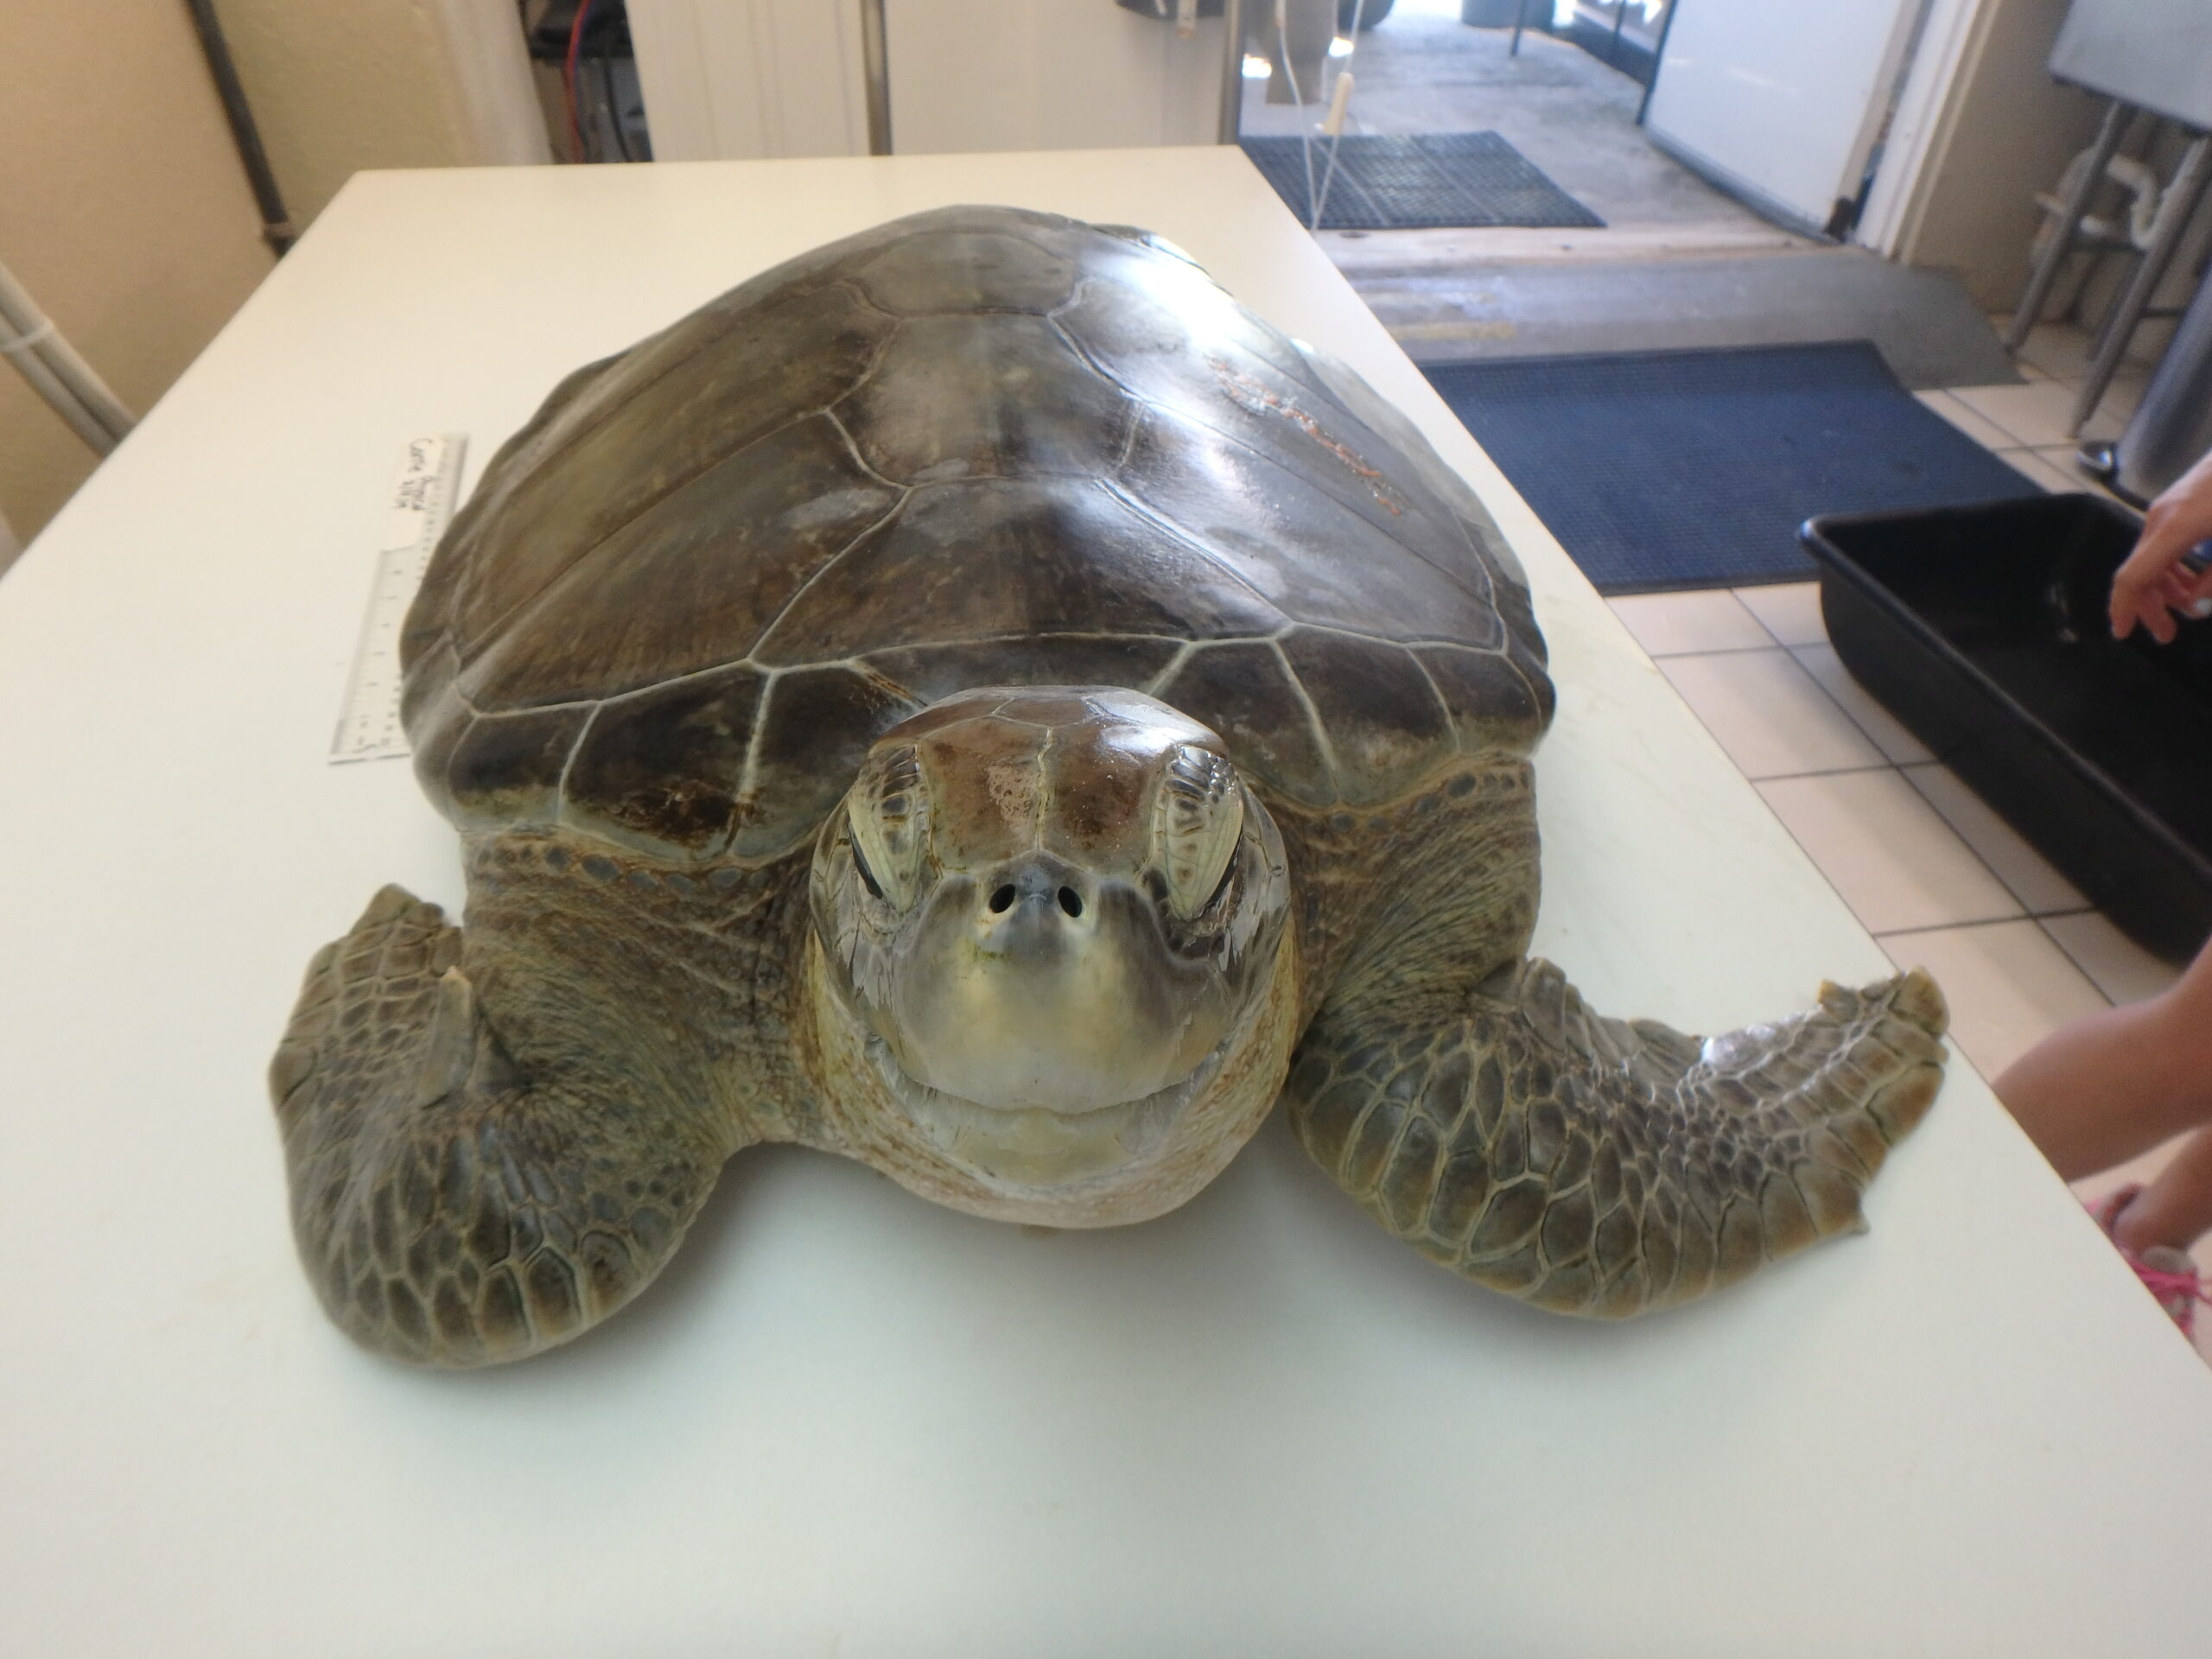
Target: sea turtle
(978, 700)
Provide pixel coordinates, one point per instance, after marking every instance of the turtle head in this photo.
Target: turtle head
(1051, 972)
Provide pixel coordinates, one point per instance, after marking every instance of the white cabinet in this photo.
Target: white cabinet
(730, 79)
(755, 78)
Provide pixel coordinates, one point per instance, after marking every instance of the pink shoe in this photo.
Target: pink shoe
(2166, 1273)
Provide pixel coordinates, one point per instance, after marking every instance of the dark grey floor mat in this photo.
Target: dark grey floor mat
(1929, 330)
(1420, 180)
(1660, 470)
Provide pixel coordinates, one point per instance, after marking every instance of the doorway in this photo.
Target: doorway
(1557, 96)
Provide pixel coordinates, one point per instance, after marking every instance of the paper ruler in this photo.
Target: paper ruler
(421, 502)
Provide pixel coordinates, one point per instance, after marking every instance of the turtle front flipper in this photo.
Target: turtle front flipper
(1601, 1166)
(451, 1209)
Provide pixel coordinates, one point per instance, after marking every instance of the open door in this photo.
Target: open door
(1781, 102)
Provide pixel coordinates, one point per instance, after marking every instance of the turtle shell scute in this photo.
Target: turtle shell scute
(960, 271)
(981, 445)
(667, 765)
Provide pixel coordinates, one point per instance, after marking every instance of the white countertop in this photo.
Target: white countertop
(846, 1421)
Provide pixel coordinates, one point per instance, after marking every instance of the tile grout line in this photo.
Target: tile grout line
(1950, 927)
(1713, 651)
(2025, 911)
(2021, 915)
(2051, 472)
(1972, 851)
(1983, 921)
(1886, 765)
(1849, 719)
(1823, 772)
(1853, 721)
(1723, 651)
(1934, 764)
(2066, 950)
(1755, 782)
(2079, 967)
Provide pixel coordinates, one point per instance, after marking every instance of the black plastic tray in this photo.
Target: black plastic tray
(1983, 629)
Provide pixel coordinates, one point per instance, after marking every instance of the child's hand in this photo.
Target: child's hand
(2154, 584)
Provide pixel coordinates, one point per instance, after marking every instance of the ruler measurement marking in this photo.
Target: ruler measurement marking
(417, 510)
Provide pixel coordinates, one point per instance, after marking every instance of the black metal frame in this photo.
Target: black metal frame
(275, 223)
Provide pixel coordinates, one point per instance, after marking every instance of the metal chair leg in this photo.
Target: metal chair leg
(2061, 241)
(2175, 210)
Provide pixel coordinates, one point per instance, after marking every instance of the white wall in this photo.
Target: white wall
(123, 209)
(1046, 74)
(1997, 130)
(337, 86)
(747, 78)
(726, 78)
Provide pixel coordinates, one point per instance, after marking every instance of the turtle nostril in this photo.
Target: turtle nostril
(1070, 901)
(1003, 898)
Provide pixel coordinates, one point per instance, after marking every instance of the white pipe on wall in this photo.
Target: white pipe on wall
(29, 341)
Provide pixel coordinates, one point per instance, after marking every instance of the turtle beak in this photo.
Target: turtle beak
(1042, 985)
(1035, 913)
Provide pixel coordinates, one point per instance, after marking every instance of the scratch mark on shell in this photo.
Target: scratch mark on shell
(1261, 400)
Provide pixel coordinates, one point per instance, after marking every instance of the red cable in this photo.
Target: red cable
(568, 76)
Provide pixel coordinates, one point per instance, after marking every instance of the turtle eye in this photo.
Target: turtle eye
(1195, 825)
(1220, 887)
(888, 815)
(866, 875)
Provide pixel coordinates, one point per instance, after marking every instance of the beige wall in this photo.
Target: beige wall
(2009, 131)
(337, 86)
(123, 209)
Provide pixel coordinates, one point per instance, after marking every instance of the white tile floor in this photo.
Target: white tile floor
(1936, 876)
(1918, 856)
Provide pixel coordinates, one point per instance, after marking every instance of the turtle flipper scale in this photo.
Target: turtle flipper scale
(449, 1210)
(1606, 1167)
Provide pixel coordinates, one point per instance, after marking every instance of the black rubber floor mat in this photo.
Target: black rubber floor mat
(1660, 470)
(1426, 181)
